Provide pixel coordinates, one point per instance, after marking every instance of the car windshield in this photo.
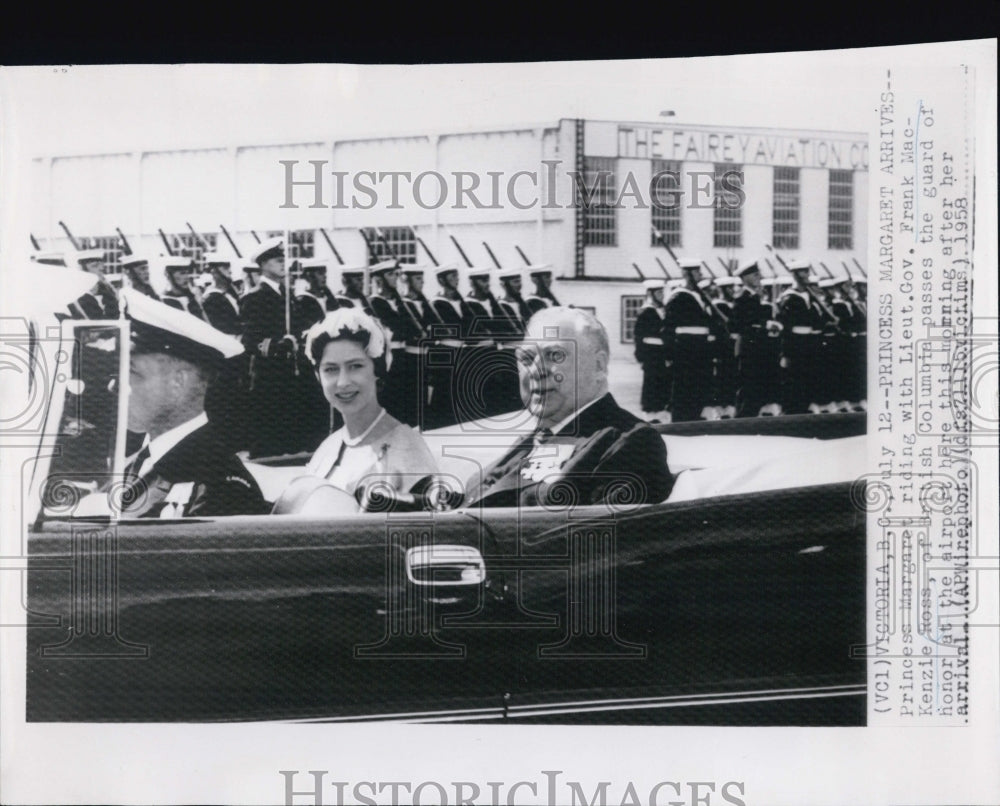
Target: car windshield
(85, 418)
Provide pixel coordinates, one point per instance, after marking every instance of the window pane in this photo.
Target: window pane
(665, 202)
(596, 201)
(728, 218)
(840, 229)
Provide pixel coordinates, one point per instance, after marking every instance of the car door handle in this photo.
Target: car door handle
(445, 565)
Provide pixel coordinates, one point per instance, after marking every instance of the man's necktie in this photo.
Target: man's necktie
(134, 466)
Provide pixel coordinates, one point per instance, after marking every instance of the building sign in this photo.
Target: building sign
(742, 147)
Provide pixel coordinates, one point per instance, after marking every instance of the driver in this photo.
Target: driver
(183, 468)
(586, 449)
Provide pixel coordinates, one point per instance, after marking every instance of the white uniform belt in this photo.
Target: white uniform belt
(397, 345)
(652, 340)
(415, 350)
(691, 331)
(452, 343)
(800, 330)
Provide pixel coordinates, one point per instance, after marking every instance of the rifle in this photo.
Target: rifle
(256, 237)
(663, 268)
(828, 272)
(333, 248)
(860, 268)
(127, 249)
(492, 256)
(34, 243)
(166, 243)
(461, 251)
(524, 257)
(812, 294)
(232, 243)
(725, 265)
(430, 254)
(638, 271)
(709, 304)
(197, 237)
(72, 240)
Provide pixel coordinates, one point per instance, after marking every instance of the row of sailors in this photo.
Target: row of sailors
(453, 355)
(747, 345)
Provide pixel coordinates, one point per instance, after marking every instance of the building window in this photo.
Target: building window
(665, 202)
(727, 228)
(631, 303)
(785, 233)
(840, 233)
(596, 200)
(402, 243)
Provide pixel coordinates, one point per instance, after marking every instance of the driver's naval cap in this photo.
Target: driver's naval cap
(160, 329)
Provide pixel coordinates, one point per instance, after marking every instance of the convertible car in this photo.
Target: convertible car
(737, 601)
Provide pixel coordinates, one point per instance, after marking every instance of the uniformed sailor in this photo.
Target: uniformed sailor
(266, 315)
(353, 294)
(313, 298)
(426, 348)
(725, 357)
(541, 277)
(511, 301)
(650, 353)
(181, 292)
(226, 401)
(838, 348)
(251, 276)
(689, 341)
(101, 301)
(401, 396)
(756, 345)
(183, 467)
(801, 322)
(451, 335)
(220, 301)
(855, 288)
(136, 268)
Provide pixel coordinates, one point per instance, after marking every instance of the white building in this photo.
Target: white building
(716, 193)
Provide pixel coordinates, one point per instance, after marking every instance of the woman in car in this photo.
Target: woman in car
(373, 451)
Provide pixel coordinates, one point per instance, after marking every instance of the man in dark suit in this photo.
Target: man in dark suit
(183, 467)
(585, 449)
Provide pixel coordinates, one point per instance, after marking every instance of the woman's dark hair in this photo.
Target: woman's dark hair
(360, 337)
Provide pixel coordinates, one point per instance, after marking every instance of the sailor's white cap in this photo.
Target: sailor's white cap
(85, 255)
(272, 247)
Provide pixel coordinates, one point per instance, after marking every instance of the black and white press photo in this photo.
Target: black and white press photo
(438, 441)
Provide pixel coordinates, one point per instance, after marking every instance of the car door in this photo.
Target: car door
(733, 610)
(261, 618)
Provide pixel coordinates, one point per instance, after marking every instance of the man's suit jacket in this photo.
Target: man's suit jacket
(202, 476)
(605, 454)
